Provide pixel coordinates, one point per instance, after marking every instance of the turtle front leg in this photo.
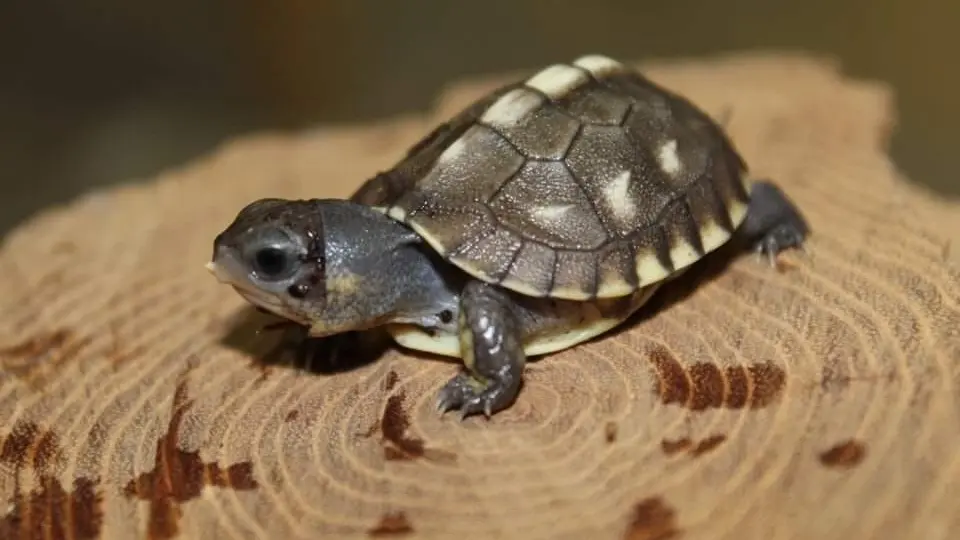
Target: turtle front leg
(492, 352)
(773, 223)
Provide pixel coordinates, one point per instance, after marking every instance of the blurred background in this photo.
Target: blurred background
(95, 92)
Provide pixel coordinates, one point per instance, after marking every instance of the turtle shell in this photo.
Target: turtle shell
(585, 180)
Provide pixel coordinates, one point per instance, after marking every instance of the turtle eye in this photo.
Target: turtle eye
(273, 262)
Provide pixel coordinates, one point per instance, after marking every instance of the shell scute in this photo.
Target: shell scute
(625, 194)
(533, 269)
(538, 129)
(470, 170)
(545, 202)
(594, 105)
(614, 269)
(491, 254)
(575, 275)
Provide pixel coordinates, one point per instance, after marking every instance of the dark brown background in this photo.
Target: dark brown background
(94, 92)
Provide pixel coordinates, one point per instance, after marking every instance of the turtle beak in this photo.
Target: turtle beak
(225, 267)
(222, 265)
(217, 272)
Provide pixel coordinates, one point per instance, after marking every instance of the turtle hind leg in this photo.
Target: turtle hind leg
(492, 353)
(773, 223)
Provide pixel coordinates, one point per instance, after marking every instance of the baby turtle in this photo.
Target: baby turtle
(542, 215)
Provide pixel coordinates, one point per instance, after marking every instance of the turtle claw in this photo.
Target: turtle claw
(780, 238)
(462, 392)
(445, 403)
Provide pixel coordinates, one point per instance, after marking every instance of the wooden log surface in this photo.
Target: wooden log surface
(819, 401)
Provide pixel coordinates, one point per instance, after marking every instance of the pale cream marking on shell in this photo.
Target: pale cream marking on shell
(521, 287)
(551, 212)
(599, 65)
(511, 108)
(668, 157)
(617, 194)
(683, 254)
(557, 80)
(613, 289)
(593, 324)
(397, 213)
(570, 293)
(456, 149)
(712, 236)
(737, 212)
(649, 269)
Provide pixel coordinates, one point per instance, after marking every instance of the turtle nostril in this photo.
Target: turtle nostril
(298, 290)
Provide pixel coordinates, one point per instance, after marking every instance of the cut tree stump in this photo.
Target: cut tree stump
(818, 401)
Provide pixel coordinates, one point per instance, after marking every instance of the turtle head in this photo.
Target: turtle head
(320, 263)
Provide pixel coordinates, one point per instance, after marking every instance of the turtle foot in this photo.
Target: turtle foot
(773, 223)
(470, 396)
(780, 238)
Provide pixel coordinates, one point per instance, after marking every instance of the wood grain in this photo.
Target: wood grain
(819, 400)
